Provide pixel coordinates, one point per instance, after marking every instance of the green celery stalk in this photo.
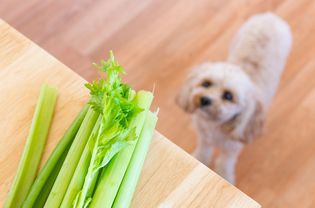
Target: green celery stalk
(64, 177)
(77, 180)
(129, 183)
(144, 100)
(53, 160)
(34, 147)
(44, 193)
(113, 174)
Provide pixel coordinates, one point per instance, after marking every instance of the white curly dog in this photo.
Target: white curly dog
(229, 99)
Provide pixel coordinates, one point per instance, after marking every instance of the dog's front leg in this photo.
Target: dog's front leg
(226, 161)
(203, 152)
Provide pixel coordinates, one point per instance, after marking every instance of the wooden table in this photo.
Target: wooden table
(170, 178)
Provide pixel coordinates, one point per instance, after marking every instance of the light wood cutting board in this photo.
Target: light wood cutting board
(170, 178)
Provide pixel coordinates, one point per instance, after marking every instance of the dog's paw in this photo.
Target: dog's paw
(229, 176)
(230, 179)
(201, 157)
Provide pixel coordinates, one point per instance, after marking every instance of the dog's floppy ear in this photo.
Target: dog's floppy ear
(249, 124)
(255, 123)
(183, 98)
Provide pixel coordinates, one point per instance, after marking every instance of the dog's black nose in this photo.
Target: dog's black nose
(205, 101)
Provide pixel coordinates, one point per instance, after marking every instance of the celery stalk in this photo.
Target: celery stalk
(53, 159)
(129, 183)
(64, 177)
(77, 180)
(44, 193)
(113, 174)
(144, 100)
(34, 147)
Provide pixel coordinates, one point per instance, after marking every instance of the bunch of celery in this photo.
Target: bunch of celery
(99, 160)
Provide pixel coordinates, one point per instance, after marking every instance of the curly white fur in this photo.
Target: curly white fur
(229, 99)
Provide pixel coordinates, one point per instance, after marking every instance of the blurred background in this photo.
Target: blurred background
(159, 41)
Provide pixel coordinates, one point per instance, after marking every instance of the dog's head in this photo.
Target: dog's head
(225, 94)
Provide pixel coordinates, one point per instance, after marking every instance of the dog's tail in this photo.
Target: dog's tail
(261, 48)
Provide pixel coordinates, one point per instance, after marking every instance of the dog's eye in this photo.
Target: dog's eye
(227, 95)
(206, 83)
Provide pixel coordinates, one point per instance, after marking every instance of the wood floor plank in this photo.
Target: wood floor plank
(102, 24)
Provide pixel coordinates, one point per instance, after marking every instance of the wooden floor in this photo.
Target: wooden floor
(158, 41)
